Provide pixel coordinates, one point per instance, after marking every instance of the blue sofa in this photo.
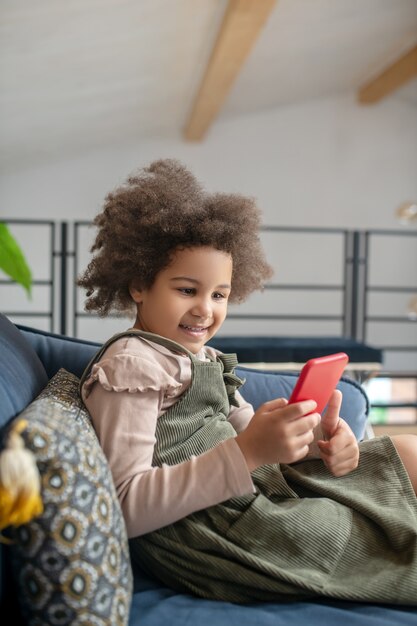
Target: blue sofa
(30, 358)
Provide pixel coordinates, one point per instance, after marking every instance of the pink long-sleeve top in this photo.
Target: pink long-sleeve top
(133, 383)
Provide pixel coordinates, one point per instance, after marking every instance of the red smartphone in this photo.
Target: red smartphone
(318, 378)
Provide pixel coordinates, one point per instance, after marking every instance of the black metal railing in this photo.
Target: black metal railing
(351, 266)
(370, 286)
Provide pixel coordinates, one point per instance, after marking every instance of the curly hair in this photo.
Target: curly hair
(157, 211)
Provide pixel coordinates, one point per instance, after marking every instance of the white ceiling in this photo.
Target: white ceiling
(79, 75)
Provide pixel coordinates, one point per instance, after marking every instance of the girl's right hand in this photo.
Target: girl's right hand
(278, 433)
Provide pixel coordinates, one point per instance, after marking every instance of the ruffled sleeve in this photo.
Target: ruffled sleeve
(132, 374)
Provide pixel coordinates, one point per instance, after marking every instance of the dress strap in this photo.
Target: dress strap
(231, 380)
(133, 332)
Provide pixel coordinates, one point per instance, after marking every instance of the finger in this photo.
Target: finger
(299, 409)
(347, 458)
(338, 442)
(334, 404)
(276, 403)
(287, 411)
(304, 424)
(341, 469)
(330, 418)
(342, 438)
(306, 439)
(301, 444)
(336, 456)
(300, 453)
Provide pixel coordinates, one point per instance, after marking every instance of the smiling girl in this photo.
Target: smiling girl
(188, 300)
(218, 499)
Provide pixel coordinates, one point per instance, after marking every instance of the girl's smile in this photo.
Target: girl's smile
(188, 300)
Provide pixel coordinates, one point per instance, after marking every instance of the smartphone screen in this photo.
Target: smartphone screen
(318, 378)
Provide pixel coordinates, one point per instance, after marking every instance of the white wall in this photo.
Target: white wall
(326, 163)
(322, 163)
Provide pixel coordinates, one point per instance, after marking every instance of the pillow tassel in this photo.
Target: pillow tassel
(20, 483)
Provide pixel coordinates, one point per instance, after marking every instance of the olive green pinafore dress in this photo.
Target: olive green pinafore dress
(303, 534)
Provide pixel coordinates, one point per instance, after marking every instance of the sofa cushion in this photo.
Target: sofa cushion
(71, 564)
(22, 373)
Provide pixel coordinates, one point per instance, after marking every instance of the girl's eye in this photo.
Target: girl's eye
(219, 296)
(188, 291)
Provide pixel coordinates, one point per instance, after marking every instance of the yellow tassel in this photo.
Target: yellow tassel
(20, 498)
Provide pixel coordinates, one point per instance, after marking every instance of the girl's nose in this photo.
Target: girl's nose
(202, 309)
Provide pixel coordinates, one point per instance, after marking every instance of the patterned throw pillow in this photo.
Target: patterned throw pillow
(71, 564)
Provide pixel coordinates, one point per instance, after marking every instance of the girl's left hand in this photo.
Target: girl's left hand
(339, 450)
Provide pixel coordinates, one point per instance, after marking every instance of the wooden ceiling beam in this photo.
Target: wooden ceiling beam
(393, 77)
(242, 24)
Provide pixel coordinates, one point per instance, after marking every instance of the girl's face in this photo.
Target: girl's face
(188, 299)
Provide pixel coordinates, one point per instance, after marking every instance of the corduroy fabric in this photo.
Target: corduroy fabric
(304, 534)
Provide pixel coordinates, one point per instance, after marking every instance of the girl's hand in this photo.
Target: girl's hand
(339, 450)
(278, 433)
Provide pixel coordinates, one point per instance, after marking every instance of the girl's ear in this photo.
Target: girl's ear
(135, 293)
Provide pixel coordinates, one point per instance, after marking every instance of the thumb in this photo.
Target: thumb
(330, 418)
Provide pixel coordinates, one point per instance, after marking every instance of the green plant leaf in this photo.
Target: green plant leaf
(12, 259)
